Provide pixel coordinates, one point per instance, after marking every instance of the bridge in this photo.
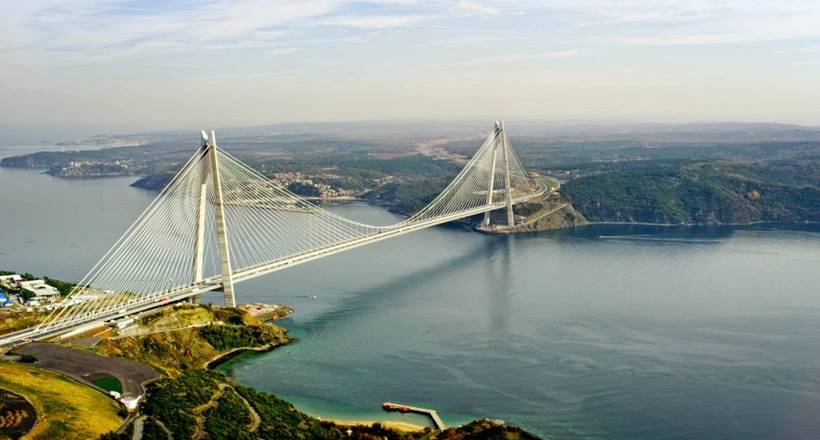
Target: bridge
(219, 222)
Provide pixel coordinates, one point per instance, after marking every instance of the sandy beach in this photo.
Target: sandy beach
(399, 426)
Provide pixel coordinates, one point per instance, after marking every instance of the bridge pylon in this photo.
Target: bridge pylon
(507, 186)
(500, 142)
(221, 226)
(486, 221)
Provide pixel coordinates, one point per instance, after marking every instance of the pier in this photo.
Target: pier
(390, 406)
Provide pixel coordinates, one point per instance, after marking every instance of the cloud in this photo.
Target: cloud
(372, 21)
(115, 28)
(475, 9)
(99, 29)
(112, 27)
(308, 51)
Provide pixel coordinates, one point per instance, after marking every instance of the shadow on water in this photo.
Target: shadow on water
(497, 274)
(496, 258)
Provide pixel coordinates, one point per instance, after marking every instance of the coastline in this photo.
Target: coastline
(233, 353)
(688, 225)
(343, 420)
(399, 426)
(389, 206)
(661, 225)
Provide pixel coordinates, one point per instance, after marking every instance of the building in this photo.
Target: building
(10, 280)
(42, 291)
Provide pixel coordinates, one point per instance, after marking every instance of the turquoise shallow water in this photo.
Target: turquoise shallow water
(600, 332)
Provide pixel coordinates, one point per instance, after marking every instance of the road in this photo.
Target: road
(85, 366)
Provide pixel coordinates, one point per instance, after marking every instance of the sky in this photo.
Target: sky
(73, 67)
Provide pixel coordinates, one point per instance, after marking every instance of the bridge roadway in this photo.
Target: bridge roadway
(158, 299)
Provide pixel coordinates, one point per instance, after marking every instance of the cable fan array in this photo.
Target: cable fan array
(154, 258)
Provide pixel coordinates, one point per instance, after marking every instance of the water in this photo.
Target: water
(600, 332)
(61, 227)
(605, 332)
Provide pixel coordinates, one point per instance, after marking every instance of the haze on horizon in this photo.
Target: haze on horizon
(79, 67)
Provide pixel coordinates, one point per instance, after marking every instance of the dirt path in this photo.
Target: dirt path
(212, 402)
(135, 334)
(543, 214)
(255, 419)
(163, 427)
(138, 423)
(200, 419)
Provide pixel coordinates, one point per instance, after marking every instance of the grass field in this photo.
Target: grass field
(65, 409)
(13, 321)
(177, 317)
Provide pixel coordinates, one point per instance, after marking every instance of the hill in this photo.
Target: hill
(699, 192)
(187, 337)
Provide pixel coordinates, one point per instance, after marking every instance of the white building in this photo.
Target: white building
(10, 280)
(42, 291)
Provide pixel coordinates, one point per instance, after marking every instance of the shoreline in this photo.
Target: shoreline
(216, 362)
(687, 225)
(233, 353)
(389, 205)
(399, 426)
(660, 225)
(223, 358)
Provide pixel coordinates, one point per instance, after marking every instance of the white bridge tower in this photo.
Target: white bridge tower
(209, 149)
(500, 141)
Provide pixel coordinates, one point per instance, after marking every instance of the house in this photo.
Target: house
(42, 291)
(10, 280)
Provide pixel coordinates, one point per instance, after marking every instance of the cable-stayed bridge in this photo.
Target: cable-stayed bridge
(219, 222)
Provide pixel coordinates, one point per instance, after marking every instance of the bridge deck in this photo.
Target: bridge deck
(133, 276)
(214, 283)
